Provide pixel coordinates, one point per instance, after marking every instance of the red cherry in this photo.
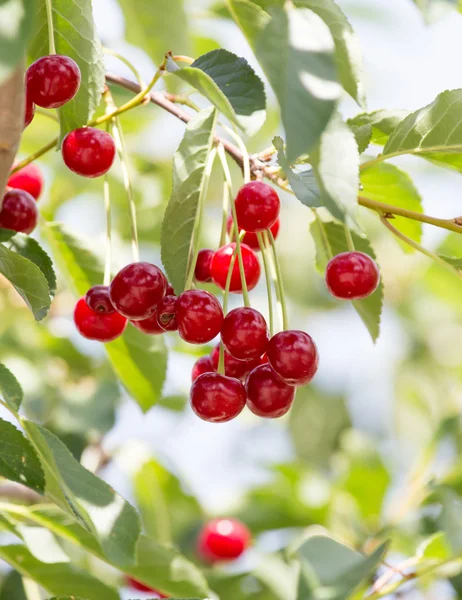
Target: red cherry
(217, 398)
(150, 325)
(257, 206)
(201, 366)
(267, 395)
(140, 587)
(29, 179)
(245, 333)
(250, 238)
(98, 326)
(29, 109)
(352, 275)
(19, 211)
(137, 289)
(166, 315)
(199, 316)
(53, 80)
(169, 290)
(220, 267)
(203, 264)
(88, 151)
(294, 356)
(223, 539)
(233, 367)
(97, 298)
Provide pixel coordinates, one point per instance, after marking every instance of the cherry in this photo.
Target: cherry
(250, 238)
(98, 299)
(137, 289)
(140, 587)
(257, 206)
(29, 179)
(29, 109)
(352, 275)
(166, 315)
(217, 398)
(19, 211)
(223, 539)
(53, 80)
(220, 267)
(150, 325)
(201, 366)
(169, 290)
(233, 367)
(245, 333)
(88, 151)
(204, 262)
(199, 316)
(267, 395)
(294, 356)
(103, 327)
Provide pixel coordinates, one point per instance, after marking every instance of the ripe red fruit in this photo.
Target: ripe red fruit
(352, 275)
(233, 367)
(257, 206)
(169, 291)
(137, 289)
(267, 395)
(204, 262)
(140, 587)
(88, 151)
(199, 316)
(245, 333)
(201, 366)
(150, 325)
(220, 267)
(29, 109)
(98, 326)
(223, 539)
(217, 398)
(250, 238)
(294, 356)
(98, 299)
(166, 315)
(29, 179)
(19, 211)
(53, 80)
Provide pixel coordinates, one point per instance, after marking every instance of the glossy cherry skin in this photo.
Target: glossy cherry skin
(204, 262)
(19, 211)
(233, 367)
(140, 587)
(98, 299)
(223, 540)
(29, 179)
(257, 206)
(220, 267)
(245, 333)
(98, 326)
(352, 275)
(250, 238)
(217, 398)
(201, 366)
(137, 289)
(150, 325)
(53, 80)
(294, 356)
(166, 315)
(88, 151)
(29, 109)
(267, 395)
(169, 290)
(199, 316)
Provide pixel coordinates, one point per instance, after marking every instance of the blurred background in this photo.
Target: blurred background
(346, 455)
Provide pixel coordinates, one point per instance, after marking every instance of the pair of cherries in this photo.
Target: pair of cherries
(19, 207)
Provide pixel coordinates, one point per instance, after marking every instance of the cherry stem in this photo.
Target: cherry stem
(221, 358)
(325, 240)
(244, 152)
(183, 58)
(269, 293)
(107, 206)
(51, 32)
(279, 282)
(349, 238)
(224, 218)
(130, 65)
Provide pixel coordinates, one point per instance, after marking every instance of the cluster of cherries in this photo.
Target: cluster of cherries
(220, 540)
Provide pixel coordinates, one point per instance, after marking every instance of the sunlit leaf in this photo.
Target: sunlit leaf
(18, 459)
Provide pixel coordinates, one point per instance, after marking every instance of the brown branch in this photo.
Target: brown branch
(19, 493)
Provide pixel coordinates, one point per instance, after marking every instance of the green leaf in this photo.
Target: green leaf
(58, 578)
(388, 184)
(455, 261)
(189, 163)
(433, 132)
(433, 10)
(113, 520)
(17, 23)
(296, 51)
(13, 587)
(42, 544)
(10, 389)
(230, 83)
(380, 124)
(348, 56)
(76, 37)
(31, 249)
(18, 460)
(434, 549)
(28, 280)
(330, 240)
(6, 234)
(451, 518)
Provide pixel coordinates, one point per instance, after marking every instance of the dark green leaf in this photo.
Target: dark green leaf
(31, 249)
(455, 261)
(10, 389)
(19, 17)
(28, 280)
(6, 234)
(13, 587)
(189, 163)
(379, 123)
(18, 460)
(363, 136)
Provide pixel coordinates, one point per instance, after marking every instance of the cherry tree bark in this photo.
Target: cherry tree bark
(11, 122)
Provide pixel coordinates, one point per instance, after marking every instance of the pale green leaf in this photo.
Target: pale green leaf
(189, 163)
(451, 518)
(433, 10)
(42, 544)
(10, 390)
(31, 249)
(434, 548)
(16, 28)
(455, 261)
(380, 124)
